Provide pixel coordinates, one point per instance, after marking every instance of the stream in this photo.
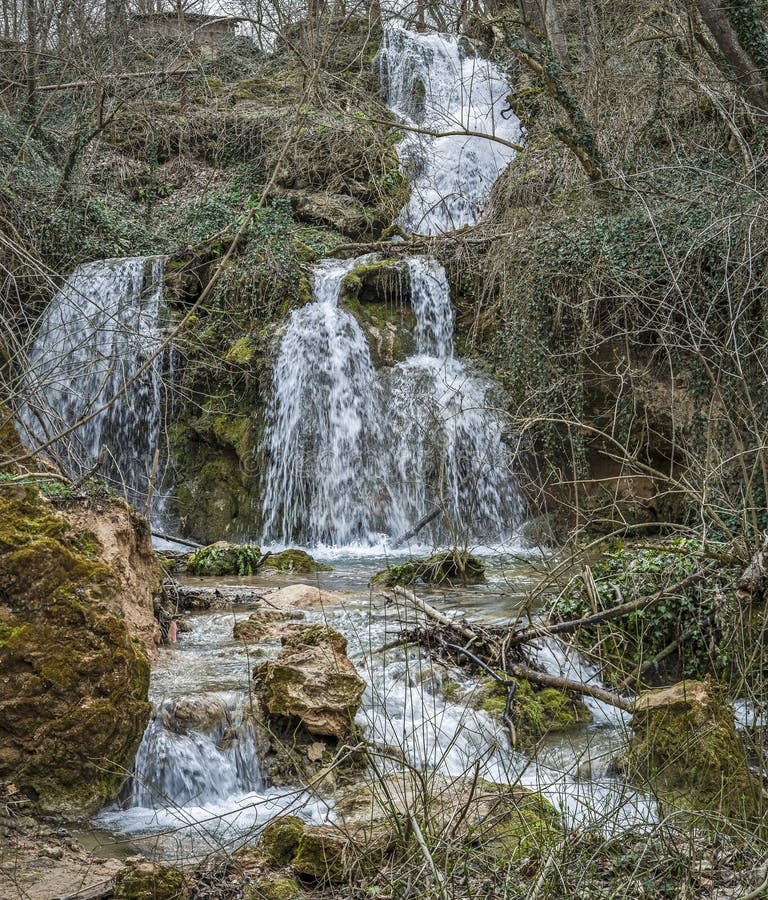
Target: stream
(197, 792)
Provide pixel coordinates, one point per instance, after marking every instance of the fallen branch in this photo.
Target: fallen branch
(432, 613)
(176, 540)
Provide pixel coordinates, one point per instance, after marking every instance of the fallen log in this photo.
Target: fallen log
(176, 540)
(434, 614)
(415, 529)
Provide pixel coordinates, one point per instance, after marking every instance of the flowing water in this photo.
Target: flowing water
(437, 83)
(95, 336)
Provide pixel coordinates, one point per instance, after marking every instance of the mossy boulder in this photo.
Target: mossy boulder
(274, 887)
(438, 569)
(280, 839)
(264, 625)
(321, 853)
(73, 696)
(151, 881)
(223, 558)
(685, 748)
(312, 681)
(299, 562)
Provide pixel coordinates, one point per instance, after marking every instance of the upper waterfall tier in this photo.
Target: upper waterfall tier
(437, 83)
(97, 333)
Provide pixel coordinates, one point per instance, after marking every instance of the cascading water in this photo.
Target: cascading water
(438, 83)
(95, 336)
(354, 455)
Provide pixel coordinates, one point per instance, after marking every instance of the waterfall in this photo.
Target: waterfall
(354, 455)
(193, 764)
(95, 335)
(324, 437)
(438, 83)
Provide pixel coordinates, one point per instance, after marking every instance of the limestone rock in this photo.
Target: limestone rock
(685, 746)
(305, 596)
(264, 625)
(312, 680)
(151, 881)
(280, 839)
(73, 696)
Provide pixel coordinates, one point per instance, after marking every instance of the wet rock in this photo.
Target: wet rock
(535, 713)
(223, 558)
(191, 598)
(312, 681)
(685, 747)
(296, 561)
(264, 626)
(151, 881)
(201, 714)
(438, 569)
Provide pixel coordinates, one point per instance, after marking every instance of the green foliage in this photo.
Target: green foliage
(699, 617)
(225, 559)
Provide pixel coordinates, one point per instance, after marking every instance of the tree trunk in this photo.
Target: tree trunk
(543, 24)
(747, 71)
(31, 68)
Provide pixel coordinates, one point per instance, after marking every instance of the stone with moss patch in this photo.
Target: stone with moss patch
(73, 697)
(225, 559)
(280, 839)
(151, 881)
(685, 747)
(297, 561)
(535, 713)
(438, 569)
(274, 887)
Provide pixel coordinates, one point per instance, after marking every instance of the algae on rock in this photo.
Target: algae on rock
(452, 567)
(685, 748)
(73, 697)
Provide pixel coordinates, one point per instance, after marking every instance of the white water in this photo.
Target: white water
(198, 777)
(95, 335)
(437, 82)
(354, 454)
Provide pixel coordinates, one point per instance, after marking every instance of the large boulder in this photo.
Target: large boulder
(312, 681)
(447, 568)
(685, 747)
(74, 637)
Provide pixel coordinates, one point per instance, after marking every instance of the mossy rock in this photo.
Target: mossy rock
(151, 881)
(225, 559)
(299, 562)
(274, 887)
(438, 569)
(280, 839)
(73, 697)
(686, 749)
(321, 853)
(379, 281)
(535, 713)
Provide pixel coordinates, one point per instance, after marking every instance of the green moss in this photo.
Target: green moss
(280, 839)
(240, 352)
(225, 559)
(440, 568)
(297, 561)
(685, 746)
(383, 280)
(274, 887)
(320, 854)
(535, 713)
(73, 695)
(151, 881)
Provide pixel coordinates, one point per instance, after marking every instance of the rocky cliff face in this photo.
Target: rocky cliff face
(76, 632)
